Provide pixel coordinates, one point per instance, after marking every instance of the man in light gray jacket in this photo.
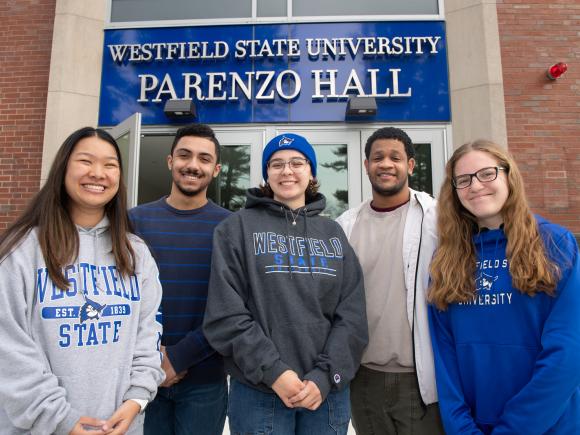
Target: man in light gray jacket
(394, 236)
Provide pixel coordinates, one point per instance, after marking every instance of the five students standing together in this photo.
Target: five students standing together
(465, 313)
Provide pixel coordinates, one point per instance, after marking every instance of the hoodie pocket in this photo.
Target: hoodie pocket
(96, 393)
(300, 344)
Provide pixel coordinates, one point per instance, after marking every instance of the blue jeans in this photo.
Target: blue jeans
(252, 412)
(188, 409)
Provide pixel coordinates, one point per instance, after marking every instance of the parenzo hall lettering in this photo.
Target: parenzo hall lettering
(264, 85)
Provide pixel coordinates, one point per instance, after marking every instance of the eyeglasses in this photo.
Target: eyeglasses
(296, 164)
(484, 175)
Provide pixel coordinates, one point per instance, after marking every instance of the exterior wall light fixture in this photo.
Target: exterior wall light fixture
(179, 109)
(361, 106)
(557, 70)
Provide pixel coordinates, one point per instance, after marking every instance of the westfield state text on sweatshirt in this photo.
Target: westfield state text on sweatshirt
(181, 242)
(285, 296)
(81, 351)
(508, 363)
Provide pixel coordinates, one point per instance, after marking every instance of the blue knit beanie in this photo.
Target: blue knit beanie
(288, 141)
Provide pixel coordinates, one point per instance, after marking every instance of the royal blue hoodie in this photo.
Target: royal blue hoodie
(505, 362)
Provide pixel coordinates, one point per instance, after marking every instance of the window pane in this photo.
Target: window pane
(305, 8)
(154, 177)
(154, 10)
(333, 177)
(272, 8)
(422, 178)
(233, 179)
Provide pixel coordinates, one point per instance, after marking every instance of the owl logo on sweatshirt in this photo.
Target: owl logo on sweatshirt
(91, 310)
(485, 281)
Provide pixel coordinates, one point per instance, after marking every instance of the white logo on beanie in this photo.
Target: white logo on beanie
(285, 141)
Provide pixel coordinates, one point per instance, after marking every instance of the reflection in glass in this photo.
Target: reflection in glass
(229, 189)
(123, 143)
(302, 8)
(155, 177)
(333, 177)
(422, 178)
(155, 10)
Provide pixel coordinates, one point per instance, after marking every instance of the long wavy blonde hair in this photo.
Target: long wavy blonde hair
(453, 266)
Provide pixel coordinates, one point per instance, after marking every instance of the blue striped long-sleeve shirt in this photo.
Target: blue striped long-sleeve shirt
(181, 242)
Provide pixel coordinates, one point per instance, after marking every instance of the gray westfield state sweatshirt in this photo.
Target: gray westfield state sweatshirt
(284, 296)
(81, 351)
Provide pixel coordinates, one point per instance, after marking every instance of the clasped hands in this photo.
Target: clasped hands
(296, 393)
(118, 424)
(171, 377)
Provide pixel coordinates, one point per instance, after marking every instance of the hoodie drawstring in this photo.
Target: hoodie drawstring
(285, 210)
(97, 256)
(494, 258)
(307, 239)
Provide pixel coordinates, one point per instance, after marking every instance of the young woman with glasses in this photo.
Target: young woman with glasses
(80, 295)
(506, 304)
(286, 303)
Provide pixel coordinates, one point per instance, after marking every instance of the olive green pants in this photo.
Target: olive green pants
(390, 404)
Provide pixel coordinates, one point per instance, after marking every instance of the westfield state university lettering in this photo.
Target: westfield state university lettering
(487, 290)
(268, 84)
(294, 254)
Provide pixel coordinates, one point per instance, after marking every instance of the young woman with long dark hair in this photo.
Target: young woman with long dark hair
(80, 294)
(506, 304)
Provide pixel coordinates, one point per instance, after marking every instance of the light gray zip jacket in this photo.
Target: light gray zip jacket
(78, 352)
(419, 243)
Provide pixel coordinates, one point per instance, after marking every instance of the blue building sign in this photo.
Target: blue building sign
(277, 72)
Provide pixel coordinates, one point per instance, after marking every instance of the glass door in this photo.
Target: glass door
(128, 134)
(339, 149)
(238, 149)
(154, 176)
(339, 163)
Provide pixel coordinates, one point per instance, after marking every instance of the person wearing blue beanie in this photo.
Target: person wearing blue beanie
(288, 141)
(286, 304)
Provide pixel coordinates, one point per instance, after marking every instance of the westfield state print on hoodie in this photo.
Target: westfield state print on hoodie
(82, 350)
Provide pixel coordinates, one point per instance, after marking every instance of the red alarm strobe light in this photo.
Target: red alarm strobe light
(557, 70)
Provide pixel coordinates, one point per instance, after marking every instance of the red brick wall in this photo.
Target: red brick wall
(25, 46)
(543, 116)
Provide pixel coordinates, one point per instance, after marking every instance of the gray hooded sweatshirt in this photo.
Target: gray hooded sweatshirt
(78, 352)
(284, 296)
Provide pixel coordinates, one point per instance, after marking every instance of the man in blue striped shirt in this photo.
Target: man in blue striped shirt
(179, 231)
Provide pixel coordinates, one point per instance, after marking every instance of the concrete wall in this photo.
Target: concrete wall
(75, 72)
(475, 71)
